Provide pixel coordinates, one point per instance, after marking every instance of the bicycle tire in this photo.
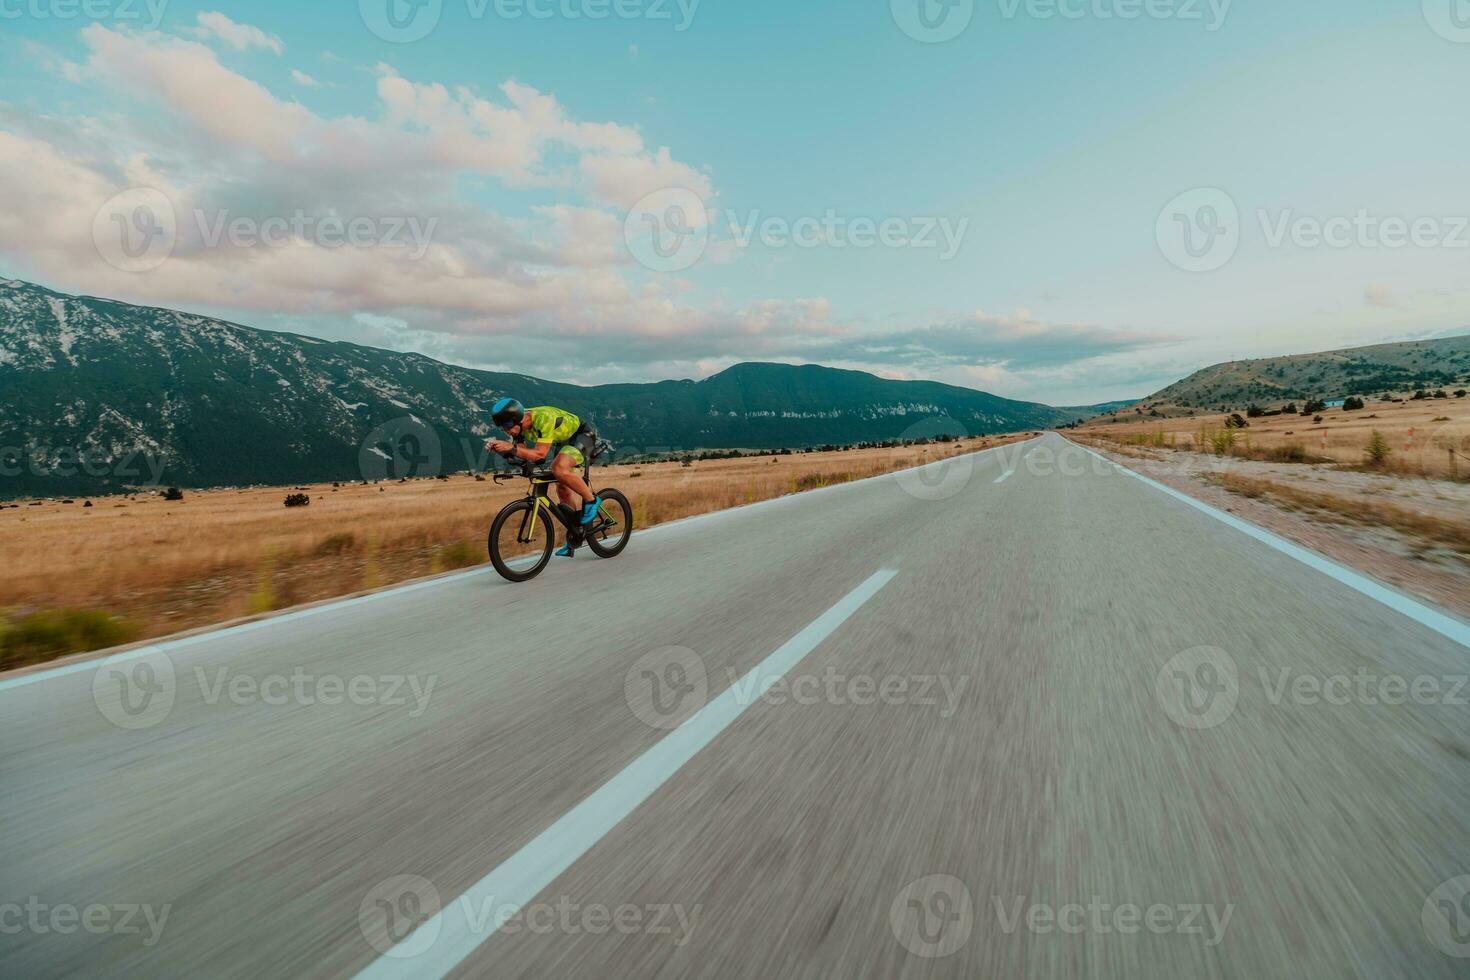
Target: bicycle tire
(515, 569)
(622, 512)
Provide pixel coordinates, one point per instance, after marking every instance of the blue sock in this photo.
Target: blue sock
(589, 510)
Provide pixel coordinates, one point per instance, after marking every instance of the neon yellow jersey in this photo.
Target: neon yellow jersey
(550, 425)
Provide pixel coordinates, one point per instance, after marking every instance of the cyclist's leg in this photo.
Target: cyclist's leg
(564, 469)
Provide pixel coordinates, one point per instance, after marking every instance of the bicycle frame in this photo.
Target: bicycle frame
(540, 493)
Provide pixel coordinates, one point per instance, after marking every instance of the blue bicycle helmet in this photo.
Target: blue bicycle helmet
(507, 412)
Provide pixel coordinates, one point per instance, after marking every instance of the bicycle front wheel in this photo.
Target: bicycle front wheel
(520, 541)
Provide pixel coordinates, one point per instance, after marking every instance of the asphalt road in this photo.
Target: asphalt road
(1021, 717)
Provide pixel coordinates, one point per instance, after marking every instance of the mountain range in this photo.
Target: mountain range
(99, 395)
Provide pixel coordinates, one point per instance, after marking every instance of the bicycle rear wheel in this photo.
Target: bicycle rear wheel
(609, 534)
(520, 541)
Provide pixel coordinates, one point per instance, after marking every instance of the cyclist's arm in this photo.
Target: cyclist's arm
(534, 454)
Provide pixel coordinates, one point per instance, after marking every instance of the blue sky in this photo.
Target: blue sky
(1047, 140)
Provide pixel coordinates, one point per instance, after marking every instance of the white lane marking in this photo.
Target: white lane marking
(1424, 615)
(525, 873)
(95, 657)
(1003, 476)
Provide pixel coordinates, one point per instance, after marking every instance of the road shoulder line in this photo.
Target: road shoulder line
(1423, 614)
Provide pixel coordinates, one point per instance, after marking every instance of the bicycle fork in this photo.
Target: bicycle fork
(527, 533)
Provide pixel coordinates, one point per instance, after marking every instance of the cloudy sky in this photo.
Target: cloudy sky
(1059, 200)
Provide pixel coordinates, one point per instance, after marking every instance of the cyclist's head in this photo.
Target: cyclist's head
(508, 413)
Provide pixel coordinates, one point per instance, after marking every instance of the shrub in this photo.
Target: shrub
(1352, 404)
(1314, 406)
(55, 633)
(264, 598)
(460, 554)
(1217, 441)
(336, 544)
(1291, 452)
(1378, 449)
(1236, 422)
(173, 493)
(297, 500)
(1255, 411)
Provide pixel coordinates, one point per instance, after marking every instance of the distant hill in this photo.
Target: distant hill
(223, 404)
(1271, 382)
(1088, 411)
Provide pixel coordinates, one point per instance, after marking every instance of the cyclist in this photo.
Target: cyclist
(554, 433)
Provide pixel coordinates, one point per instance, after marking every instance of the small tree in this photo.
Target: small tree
(1352, 404)
(1378, 450)
(173, 493)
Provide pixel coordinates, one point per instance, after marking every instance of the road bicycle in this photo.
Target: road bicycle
(522, 535)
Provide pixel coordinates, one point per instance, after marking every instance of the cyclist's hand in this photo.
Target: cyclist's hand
(496, 446)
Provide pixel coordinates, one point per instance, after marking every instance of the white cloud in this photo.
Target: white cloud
(623, 179)
(556, 278)
(241, 37)
(220, 145)
(303, 79)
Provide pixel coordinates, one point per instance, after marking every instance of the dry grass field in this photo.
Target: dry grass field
(134, 567)
(1428, 438)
